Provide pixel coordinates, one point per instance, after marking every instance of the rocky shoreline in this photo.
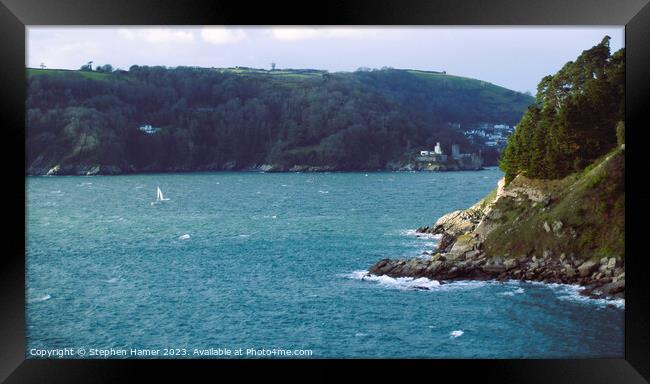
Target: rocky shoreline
(92, 170)
(461, 255)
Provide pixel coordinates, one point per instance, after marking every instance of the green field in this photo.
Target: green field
(61, 72)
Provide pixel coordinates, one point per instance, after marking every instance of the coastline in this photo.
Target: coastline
(532, 230)
(116, 171)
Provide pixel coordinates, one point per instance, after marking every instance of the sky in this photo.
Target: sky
(513, 57)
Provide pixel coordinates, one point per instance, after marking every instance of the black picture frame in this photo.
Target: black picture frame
(634, 14)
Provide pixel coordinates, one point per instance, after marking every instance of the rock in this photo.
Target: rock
(54, 170)
(422, 229)
(614, 287)
(379, 267)
(570, 272)
(464, 243)
(562, 257)
(494, 269)
(546, 254)
(446, 242)
(611, 264)
(434, 267)
(455, 223)
(587, 268)
(495, 214)
(455, 256)
(557, 226)
(472, 254)
(510, 263)
(619, 277)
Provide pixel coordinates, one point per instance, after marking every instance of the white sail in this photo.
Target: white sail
(159, 195)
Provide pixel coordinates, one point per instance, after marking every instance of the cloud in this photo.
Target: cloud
(305, 33)
(157, 35)
(222, 35)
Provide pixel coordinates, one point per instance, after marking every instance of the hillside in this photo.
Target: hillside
(81, 122)
(558, 215)
(570, 230)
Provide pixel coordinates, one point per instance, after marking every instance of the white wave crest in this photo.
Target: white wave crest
(41, 298)
(414, 233)
(409, 283)
(184, 237)
(455, 334)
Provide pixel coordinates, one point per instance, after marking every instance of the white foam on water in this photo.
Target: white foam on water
(512, 293)
(404, 283)
(455, 334)
(360, 334)
(184, 237)
(572, 292)
(41, 298)
(322, 191)
(413, 233)
(112, 280)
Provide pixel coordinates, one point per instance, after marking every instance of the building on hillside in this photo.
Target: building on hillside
(437, 160)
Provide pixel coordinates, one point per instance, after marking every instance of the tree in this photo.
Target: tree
(574, 120)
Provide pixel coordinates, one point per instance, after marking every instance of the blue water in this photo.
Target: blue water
(273, 261)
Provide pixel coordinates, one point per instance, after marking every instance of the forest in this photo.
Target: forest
(578, 116)
(237, 118)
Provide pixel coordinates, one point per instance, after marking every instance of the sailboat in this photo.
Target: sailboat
(159, 196)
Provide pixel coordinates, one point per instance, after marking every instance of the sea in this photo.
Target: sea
(274, 265)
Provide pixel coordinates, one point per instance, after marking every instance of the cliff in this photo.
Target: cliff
(570, 230)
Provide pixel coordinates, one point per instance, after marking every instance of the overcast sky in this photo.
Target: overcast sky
(513, 57)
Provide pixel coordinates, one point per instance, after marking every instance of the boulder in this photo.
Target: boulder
(510, 263)
(611, 264)
(472, 254)
(547, 227)
(587, 268)
(570, 272)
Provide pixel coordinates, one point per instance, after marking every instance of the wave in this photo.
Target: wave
(511, 293)
(572, 292)
(406, 283)
(413, 233)
(322, 191)
(455, 334)
(40, 299)
(184, 237)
